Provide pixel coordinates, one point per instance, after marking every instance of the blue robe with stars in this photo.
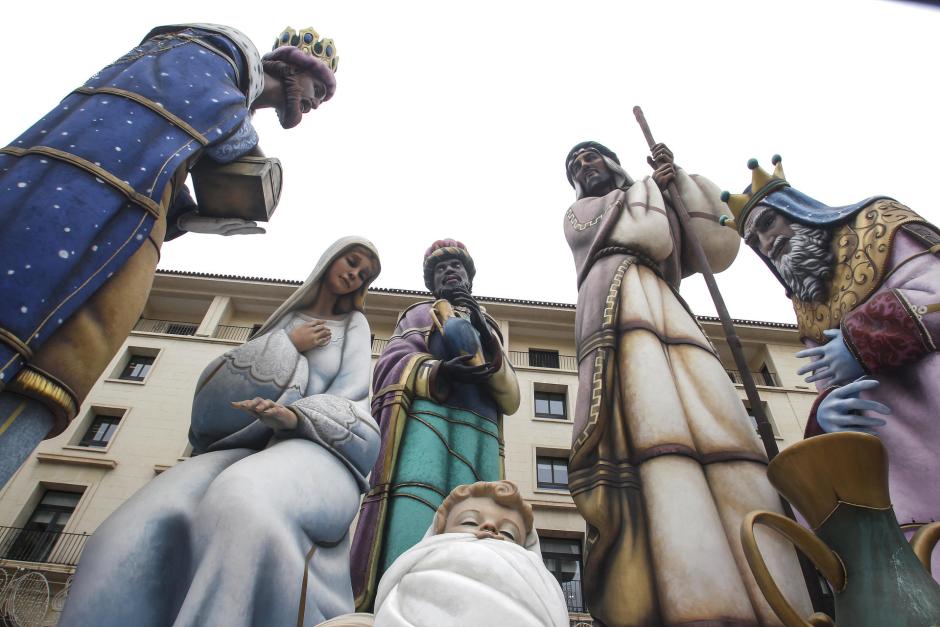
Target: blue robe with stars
(81, 190)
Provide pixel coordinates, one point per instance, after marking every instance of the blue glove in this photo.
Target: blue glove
(834, 365)
(836, 412)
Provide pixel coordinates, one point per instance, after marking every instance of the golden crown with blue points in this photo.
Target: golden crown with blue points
(309, 42)
(762, 183)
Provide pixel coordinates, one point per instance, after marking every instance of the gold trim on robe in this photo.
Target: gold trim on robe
(862, 247)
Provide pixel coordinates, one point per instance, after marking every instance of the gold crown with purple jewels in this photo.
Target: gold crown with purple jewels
(762, 183)
(309, 42)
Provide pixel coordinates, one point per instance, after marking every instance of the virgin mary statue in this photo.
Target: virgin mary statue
(254, 528)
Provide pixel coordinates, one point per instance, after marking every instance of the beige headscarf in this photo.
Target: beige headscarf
(307, 293)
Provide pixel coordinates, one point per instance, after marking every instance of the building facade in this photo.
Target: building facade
(134, 423)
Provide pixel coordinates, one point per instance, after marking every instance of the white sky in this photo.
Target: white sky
(454, 120)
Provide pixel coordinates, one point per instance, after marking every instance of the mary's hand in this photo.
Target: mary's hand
(310, 335)
(270, 413)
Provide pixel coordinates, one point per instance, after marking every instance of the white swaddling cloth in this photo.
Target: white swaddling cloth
(457, 579)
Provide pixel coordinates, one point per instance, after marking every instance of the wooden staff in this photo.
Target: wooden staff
(764, 429)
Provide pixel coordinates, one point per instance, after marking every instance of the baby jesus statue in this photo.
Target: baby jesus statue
(478, 565)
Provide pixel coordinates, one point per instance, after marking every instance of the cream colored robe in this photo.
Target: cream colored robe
(664, 462)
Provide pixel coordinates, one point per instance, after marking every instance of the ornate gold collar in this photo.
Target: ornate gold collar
(862, 247)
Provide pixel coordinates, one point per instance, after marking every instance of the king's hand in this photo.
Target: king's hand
(195, 223)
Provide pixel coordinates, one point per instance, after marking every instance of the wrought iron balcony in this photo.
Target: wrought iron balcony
(572, 592)
(41, 547)
(760, 378)
(378, 345)
(229, 332)
(538, 359)
(170, 327)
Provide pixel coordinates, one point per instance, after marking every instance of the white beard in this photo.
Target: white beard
(807, 268)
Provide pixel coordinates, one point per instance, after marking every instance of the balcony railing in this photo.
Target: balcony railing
(378, 345)
(170, 327)
(760, 378)
(228, 332)
(572, 592)
(523, 359)
(43, 547)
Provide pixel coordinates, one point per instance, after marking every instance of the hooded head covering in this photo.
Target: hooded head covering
(446, 249)
(622, 180)
(799, 207)
(307, 293)
(774, 191)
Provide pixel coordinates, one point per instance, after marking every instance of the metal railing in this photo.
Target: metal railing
(760, 378)
(44, 547)
(378, 345)
(520, 359)
(25, 597)
(523, 359)
(229, 332)
(573, 598)
(170, 327)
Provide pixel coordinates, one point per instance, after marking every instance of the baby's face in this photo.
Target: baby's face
(485, 518)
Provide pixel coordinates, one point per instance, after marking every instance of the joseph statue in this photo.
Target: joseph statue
(664, 461)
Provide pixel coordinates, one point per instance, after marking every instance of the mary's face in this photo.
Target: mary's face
(349, 271)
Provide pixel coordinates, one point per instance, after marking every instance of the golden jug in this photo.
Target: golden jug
(839, 482)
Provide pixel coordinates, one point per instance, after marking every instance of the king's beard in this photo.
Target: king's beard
(292, 113)
(448, 292)
(807, 268)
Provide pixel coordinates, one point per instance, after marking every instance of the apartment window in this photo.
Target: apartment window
(562, 558)
(38, 537)
(768, 377)
(137, 367)
(100, 431)
(753, 418)
(551, 472)
(550, 405)
(540, 358)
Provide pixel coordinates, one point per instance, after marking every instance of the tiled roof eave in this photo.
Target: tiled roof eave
(424, 294)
